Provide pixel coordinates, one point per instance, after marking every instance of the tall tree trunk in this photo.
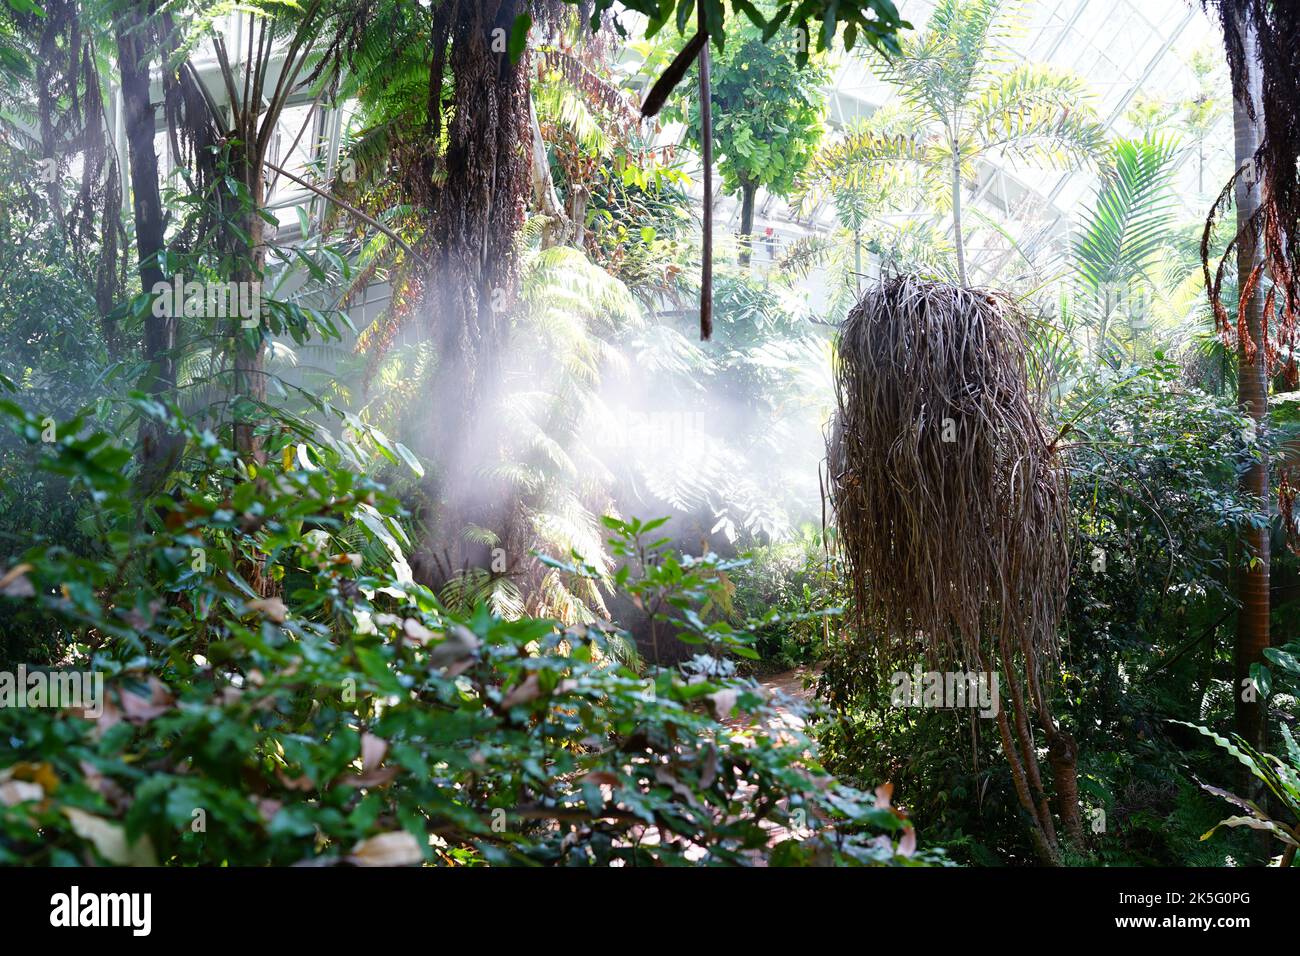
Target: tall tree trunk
(579, 196)
(156, 445)
(958, 240)
(1252, 395)
(748, 192)
(544, 194)
(706, 159)
(250, 350)
(474, 282)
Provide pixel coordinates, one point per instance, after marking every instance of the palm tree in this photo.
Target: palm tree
(965, 105)
(862, 198)
(1117, 249)
(1252, 395)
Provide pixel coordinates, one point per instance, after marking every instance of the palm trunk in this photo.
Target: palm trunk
(155, 444)
(857, 256)
(748, 192)
(958, 240)
(706, 157)
(1252, 395)
(250, 351)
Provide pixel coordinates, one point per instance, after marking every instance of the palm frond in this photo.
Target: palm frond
(1131, 217)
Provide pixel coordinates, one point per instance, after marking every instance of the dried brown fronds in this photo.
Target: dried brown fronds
(951, 504)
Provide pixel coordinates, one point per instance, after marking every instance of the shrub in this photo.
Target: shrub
(804, 585)
(345, 715)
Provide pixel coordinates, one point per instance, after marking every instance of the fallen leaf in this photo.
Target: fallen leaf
(230, 695)
(373, 750)
(110, 839)
(528, 689)
(709, 772)
(14, 583)
(41, 774)
(907, 843)
(139, 709)
(109, 717)
(669, 779)
(722, 703)
(273, 608)
(459, 643)
(13, 573)
(417, 631)
(14, 792)
(303, 783)
(106, 786)
(398, 848)
(268, 808)
(371, 778)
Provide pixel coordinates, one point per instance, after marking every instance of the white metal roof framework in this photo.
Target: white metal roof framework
(1118, 46)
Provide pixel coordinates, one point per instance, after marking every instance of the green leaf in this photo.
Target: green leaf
(519, 36)
(1263, 680)
(1282, 658)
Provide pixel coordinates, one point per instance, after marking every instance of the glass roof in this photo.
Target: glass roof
(1120, 48)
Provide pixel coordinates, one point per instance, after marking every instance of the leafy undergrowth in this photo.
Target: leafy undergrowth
(342, 715)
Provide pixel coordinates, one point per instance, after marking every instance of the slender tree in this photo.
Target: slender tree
(768, 111)
(1264, 63)
(967, 102)
(1252, 635)
(137, 37)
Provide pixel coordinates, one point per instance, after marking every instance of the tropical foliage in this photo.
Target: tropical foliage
(462, 548)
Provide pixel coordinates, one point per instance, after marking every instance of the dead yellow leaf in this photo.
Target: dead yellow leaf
(38, 773)
(110, 839)
(398, 848)
(273, 608)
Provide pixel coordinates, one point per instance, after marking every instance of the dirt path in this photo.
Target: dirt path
(792, 682)
(779, 686)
